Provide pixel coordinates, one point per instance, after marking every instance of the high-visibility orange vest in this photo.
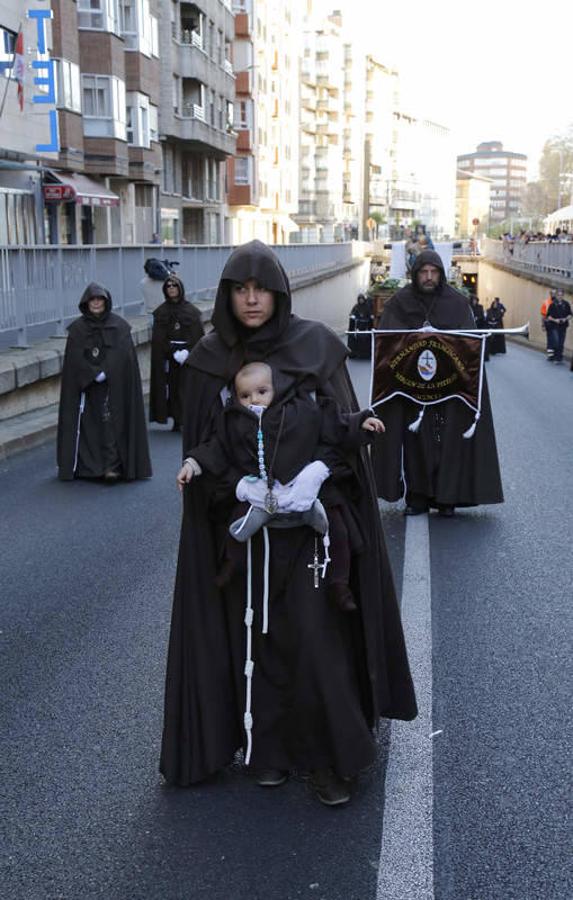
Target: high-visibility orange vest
(545, 306)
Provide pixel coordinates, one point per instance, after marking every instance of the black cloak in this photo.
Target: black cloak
(439, 463)
(178, 321)
(321, 678)
(494, 319)
(96, 344)
(361, 318)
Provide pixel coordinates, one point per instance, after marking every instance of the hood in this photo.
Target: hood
(180, 285)
(95, 290)
(252, 260)
(428, 258)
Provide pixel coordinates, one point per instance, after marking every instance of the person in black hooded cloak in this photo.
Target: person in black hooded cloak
(319, 682)
(361, 318)
(101, 422)
(435, 467)
(176, 329)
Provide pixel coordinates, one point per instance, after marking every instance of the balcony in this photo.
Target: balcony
(244, 82)
(242, 25)
(192, 62)
(192, 127)
(244, 141)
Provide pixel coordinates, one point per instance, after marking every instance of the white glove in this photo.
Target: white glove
(101, 377)
(180, 356)
(254, 491)
(303, 490)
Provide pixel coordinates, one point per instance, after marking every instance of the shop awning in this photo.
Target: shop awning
(76, 188)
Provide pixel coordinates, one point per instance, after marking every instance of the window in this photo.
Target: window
(68, 85)
(129, 124)
(153, 123)
(7, 45)
(176, 95)
(104, 106)
(138, 28)
(242, 170)
(141, 120)
(99, 15)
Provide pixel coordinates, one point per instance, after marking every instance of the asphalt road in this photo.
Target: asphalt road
(86, 576)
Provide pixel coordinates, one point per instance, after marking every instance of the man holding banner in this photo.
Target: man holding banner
(439, 449)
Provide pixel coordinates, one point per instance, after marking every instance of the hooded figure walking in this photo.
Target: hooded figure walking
(176, 329)
(435, 467)
(305, 692)
(101, 425)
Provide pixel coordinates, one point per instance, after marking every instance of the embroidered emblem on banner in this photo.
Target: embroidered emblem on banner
(427, 365)
(95, 352)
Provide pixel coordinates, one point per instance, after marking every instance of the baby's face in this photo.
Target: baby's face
(254, 389)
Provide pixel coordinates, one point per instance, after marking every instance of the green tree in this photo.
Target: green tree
(556, 171)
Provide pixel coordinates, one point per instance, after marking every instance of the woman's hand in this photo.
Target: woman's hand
(373, 424)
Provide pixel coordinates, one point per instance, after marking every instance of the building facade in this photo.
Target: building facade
(263, 175)
(320, 214)
(423, 184)
(140, 144)
(472, 204)
(508, 172)
(195, 121)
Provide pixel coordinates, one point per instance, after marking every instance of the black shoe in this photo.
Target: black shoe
(271, 777)
(415, 510)
(446, 511)
(111, 476)
(330, 788)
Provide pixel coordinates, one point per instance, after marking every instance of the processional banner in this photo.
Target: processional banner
(428, 367)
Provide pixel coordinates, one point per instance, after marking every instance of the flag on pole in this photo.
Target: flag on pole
(19, 67)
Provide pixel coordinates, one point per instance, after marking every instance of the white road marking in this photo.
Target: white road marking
(406, 868)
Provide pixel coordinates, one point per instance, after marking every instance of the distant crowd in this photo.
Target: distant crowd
(560, 235)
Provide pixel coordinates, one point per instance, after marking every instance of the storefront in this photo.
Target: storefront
(77, 209)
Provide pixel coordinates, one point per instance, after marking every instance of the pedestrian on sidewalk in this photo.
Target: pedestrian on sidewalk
(176, 329)
(268, 664)
(101, 424)
(558, 316)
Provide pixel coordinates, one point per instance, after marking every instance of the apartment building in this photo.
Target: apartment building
(263, 175)
(321, 209)
(472, 203)
(381, 102)
(196, 116)
(353, 126)
(113, 177)
(423, 185)
(508, 172)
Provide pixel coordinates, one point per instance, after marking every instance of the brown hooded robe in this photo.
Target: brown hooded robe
(95, 344)
(178, 321)
(437, 462)
(321, 678)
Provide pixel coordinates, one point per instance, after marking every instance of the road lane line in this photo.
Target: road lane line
(406, 867)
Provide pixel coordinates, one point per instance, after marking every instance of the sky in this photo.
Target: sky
(488, 71)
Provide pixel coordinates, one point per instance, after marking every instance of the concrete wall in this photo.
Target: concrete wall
(522, 296)
(330, 300)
